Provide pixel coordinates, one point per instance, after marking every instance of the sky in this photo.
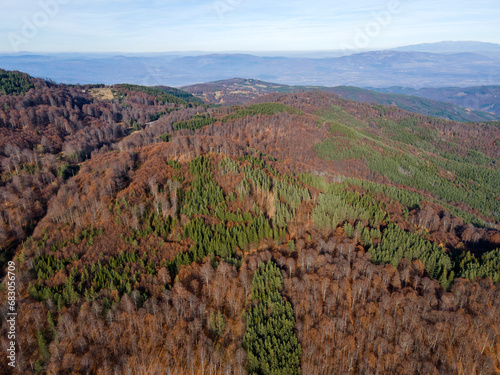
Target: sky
(140, 26)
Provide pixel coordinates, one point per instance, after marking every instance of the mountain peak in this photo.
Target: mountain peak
(451, 47)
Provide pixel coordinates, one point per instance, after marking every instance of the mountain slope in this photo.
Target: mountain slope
(359, 230)
(412, 103)
(452, 47)
(50, 129)
(482, 98)
(15, 82)
(239, 91)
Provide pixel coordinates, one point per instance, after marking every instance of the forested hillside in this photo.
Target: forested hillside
(16, 83)
(481, 98)
(238, 91)
(299, 234)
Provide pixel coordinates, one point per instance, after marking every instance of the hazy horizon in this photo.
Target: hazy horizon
(338, 52)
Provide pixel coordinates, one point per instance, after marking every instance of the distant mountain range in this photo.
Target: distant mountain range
(240, 91)
(452, 47)
(406, 66)
(482, 98)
